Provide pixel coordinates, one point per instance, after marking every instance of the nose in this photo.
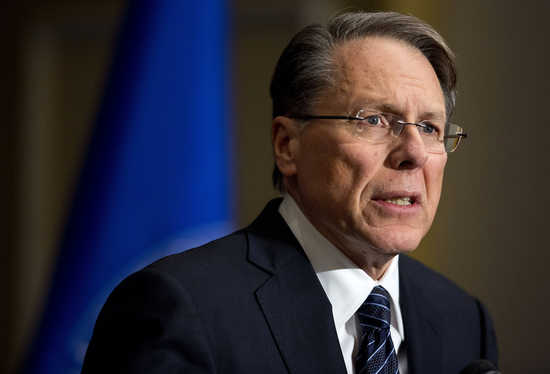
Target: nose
(408, 150)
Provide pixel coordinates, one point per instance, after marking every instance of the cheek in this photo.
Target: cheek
(434, 172)
(351, 168)
(326, 172)
(363, 163)
(340, 167)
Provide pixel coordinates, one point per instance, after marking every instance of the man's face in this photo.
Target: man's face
(352, 190)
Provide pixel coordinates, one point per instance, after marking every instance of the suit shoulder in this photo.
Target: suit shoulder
(203, 269)
(461, 316)
(219, 250)
(431, 281)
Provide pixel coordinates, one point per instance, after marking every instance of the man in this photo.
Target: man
(319, 282)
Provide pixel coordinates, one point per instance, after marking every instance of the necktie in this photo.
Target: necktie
(376, 354)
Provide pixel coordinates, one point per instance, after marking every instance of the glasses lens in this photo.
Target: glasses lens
(371, 125)
(451, 144)
(453, 137)
(434, 145)
(432, 138)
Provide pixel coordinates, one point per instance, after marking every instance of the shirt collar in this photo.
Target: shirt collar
(346, 285)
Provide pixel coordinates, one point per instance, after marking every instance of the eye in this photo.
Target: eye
(429, 128)
(374, 120)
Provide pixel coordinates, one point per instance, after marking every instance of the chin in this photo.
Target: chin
(396, 244)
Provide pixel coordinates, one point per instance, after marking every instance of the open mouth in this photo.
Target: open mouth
(403, 201)
(398, 199)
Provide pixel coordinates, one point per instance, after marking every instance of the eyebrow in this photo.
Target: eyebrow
(390, 108)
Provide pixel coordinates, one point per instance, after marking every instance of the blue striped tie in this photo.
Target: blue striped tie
(376, 354)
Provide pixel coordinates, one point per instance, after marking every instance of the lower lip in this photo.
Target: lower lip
(394, 208)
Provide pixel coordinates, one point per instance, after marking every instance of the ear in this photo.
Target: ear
(285, 137)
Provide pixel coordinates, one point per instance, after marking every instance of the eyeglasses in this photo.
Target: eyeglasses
(377, 127)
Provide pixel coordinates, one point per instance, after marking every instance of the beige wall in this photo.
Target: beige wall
(498, 186)
(489, 233)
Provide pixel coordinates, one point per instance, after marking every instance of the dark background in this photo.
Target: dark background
(490, 232)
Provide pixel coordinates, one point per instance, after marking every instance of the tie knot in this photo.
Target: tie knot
(375, 311)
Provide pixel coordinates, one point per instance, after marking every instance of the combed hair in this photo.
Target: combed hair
(307, 66)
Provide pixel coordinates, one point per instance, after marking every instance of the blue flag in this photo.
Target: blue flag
(156, 178)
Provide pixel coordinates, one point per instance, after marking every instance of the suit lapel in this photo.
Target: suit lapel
(301, 322)
(420, 316)
(293, 301)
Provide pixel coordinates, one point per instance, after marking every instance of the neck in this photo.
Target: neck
(370, 259)
(367, 257)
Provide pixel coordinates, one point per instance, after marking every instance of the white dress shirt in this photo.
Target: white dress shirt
(346, 285)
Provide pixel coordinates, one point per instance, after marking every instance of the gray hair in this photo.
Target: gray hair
(307, 67)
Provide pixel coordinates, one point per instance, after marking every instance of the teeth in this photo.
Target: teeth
(400, 201)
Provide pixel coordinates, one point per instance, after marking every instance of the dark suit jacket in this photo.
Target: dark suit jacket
(251, 303)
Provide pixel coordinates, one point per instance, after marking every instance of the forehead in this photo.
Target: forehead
(386, 71)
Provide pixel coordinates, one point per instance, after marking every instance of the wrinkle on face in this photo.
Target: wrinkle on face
(378, 89)
(338, 174)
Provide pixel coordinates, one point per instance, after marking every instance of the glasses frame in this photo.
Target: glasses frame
(458, 135)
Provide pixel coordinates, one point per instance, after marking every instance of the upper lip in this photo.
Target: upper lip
(388, 195)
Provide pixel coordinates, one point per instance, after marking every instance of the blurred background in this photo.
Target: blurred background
(490, 232)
